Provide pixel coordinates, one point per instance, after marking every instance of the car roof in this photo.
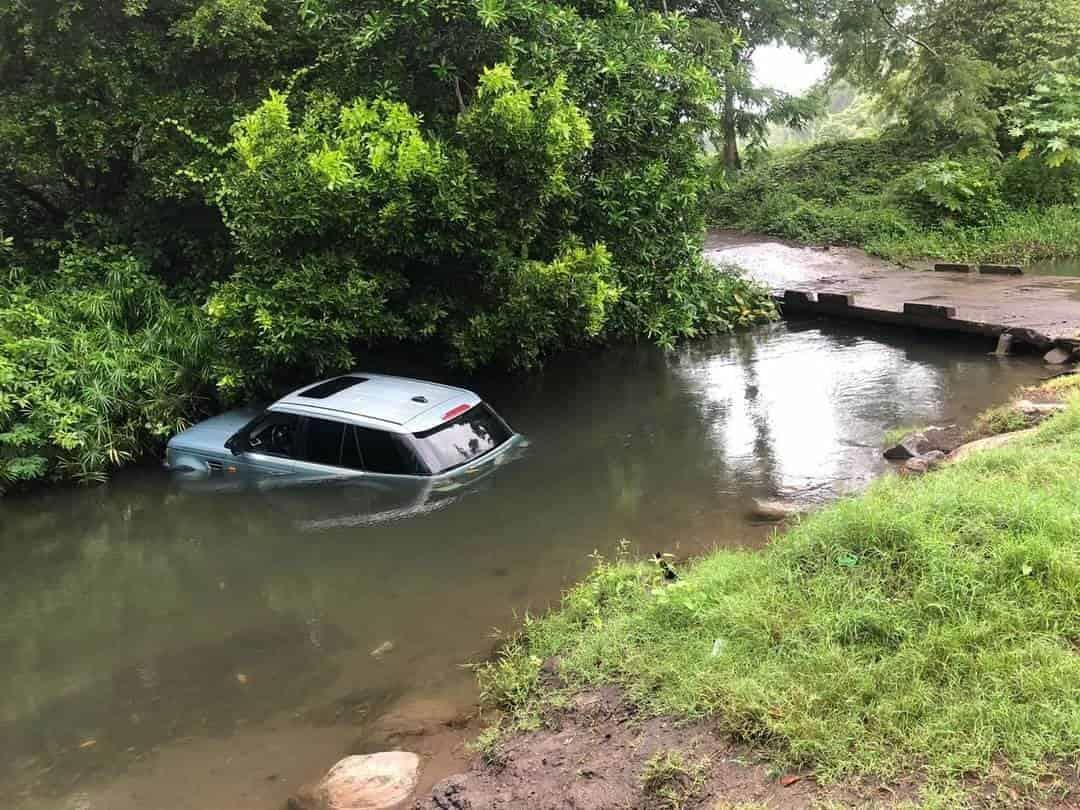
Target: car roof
(397, 404)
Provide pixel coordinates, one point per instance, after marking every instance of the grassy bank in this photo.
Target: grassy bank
(1021, 237)
(907, 202)
(930, 625)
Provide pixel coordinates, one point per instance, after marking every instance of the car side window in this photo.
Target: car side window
(323, 441)
(274, 434)
(377, 451)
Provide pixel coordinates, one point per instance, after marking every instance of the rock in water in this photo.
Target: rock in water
(934, 458)
(1057, 357)
(911, 446)
(920, 442)
(382, 649)
(775, 510)
(375, 782)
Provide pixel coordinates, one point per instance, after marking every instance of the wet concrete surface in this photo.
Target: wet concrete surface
(1046, 305)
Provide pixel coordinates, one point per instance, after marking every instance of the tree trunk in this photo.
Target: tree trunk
(731, 141)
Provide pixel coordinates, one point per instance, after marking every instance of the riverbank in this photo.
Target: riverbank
(906, 203)
(914, 644)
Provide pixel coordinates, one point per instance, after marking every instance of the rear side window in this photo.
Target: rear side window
(377, 451)
(460, 440)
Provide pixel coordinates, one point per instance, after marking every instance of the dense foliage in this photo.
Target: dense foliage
(890, 195)
(551, 210)
(1048, 120)
(496, 180)
(950, 67)
(95, 364)
(960, 142)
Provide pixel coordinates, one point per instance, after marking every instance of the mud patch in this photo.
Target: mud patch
(599, 753)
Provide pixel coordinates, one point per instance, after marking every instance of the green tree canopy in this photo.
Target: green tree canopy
(948, 67)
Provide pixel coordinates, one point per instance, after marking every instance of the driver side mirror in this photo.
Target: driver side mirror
(236, 442)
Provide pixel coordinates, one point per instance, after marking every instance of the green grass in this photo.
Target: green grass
(1064, 385)
(1002, 419)
(1022, 237)
(929, 625)
(672, 780)
(858, 192)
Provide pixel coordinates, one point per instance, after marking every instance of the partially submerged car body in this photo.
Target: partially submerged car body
(367, 426)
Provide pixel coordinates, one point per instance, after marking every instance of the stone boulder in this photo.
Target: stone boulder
(776, 511)
(912, 445)
(915, 466)
(989, 443)
(934, 458)
(383, 781)
(919, 443)
(1057, 356)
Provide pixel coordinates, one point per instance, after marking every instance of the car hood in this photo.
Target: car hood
(214, 432)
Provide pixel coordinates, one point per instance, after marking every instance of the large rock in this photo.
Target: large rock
(912, 445)
(989, 443)
(915, 466)
(381, 781)
(920, 442)
(775, 511)
(1057, 356)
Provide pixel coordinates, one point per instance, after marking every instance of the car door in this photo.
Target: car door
(319, 456)
(268, 446)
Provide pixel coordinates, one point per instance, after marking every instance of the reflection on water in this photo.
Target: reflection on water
(145, 613)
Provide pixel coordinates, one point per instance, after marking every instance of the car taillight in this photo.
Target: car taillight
(450, 414)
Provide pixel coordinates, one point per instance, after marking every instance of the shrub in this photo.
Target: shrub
(966, 191)
(1033, 184)
(97, 367)
(357, 223)
(833, 192)
(1021, 237)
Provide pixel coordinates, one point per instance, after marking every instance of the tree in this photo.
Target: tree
(726, 34)
(549, 198)
(85, 91)
(947, 67)
(1047, 122)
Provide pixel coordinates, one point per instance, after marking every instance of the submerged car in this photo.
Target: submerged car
(355, 425)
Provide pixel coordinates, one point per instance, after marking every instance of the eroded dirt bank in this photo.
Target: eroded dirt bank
(599, 754)
(596, 754)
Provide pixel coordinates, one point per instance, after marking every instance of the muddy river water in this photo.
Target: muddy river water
(163, 647)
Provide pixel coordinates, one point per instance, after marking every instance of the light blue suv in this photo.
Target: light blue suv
(356, 425)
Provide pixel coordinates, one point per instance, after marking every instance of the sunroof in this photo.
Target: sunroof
(331, 387)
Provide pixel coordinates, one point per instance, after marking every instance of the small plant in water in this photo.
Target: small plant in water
(671, 779)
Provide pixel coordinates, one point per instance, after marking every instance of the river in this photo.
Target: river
(168, 647)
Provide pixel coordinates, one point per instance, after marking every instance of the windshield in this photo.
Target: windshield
(460, 440)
